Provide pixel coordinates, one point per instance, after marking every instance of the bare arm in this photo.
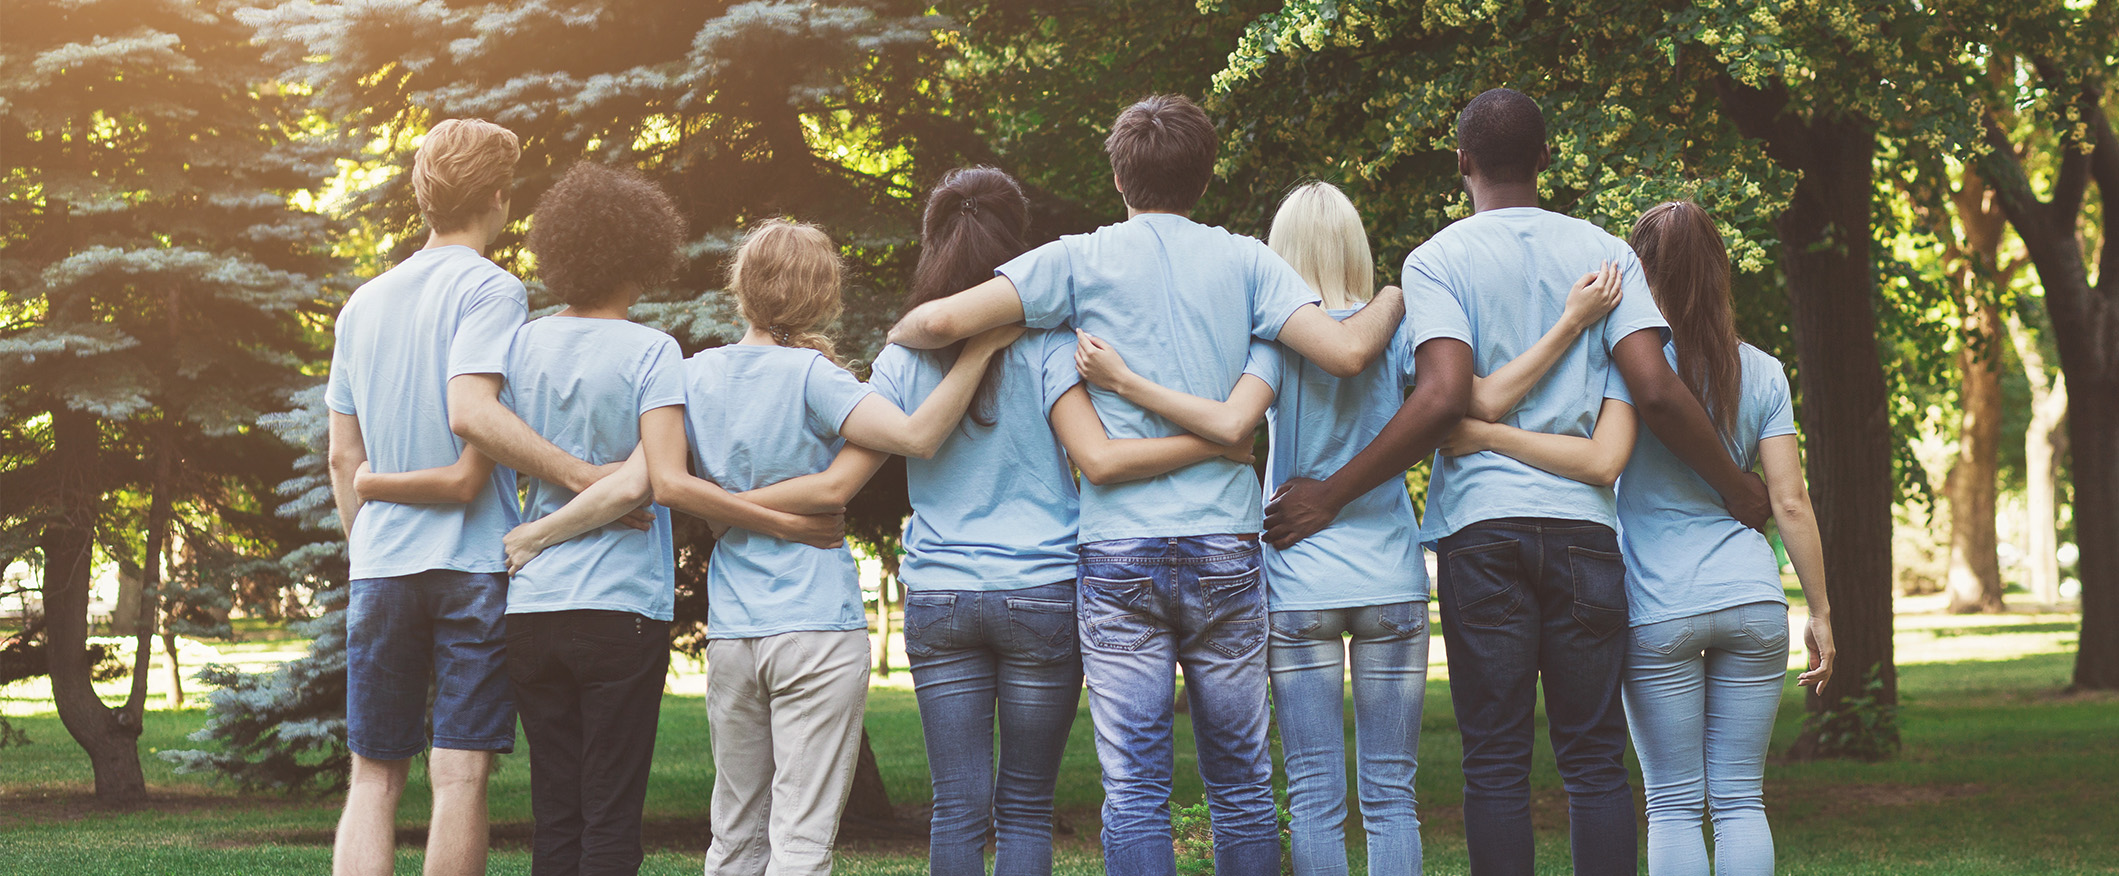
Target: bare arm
(453, 484)
(1344, 348)
(1596, 460)
(1438, 401)
(604, 502)
(477, 416)
(1782, 458)
(1677, 419)
(825, 492)
(668, 453)
(945, 321)
(345, 456)
(1222, 422)
(1593, 296)
(1105, 460)
(877, 424)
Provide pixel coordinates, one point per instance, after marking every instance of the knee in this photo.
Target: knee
(452, 770)
(386, 776)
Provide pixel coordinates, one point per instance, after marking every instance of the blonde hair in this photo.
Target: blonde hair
(1319, 233)
(460, 164)
(785, 278)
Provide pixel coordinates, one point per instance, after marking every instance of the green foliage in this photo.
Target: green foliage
(1863, 726)
(1192, 831)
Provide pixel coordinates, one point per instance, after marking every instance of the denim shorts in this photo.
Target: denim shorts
(443, 625)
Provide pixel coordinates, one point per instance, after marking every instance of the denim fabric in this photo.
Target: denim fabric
(1701, 692)
(1149, 606)
(440, 624)
(1525, 599)
(977, 654)
(589, 684)
(1307, 654)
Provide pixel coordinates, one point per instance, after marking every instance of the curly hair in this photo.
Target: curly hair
(602, 229)
(786, 278)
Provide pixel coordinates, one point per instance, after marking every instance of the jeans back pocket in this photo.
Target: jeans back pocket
(927, 626)
(1042, 630)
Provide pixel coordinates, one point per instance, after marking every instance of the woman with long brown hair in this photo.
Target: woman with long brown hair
(1709, 650)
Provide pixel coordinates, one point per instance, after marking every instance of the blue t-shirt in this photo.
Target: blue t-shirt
(583, 384)
(758, 415)
(1685, 555)
(443, 312)
(1510, 270)
(1370, 554)
(996, 508)
(1181, 301)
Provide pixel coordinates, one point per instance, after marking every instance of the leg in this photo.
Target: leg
(1582, 596)
(547, 697)
(820, 692)
(1129, 659)
(1040, 691)
(1491, 625)
(457, 835)
(474, 714)
(953, 674)
(741, 722)
(1665, 706)
(1222, 647)
(1389, 656)
(1744, 678)
(1305, 657)
(387, 634)
(622, 660)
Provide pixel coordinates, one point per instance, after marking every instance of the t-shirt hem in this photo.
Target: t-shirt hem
(1710, 607)
(839, 422)
(661, 614)
(1430, 536)
(360, 574)
(1445, 332)
(1775, 433)
(500, 368)
(1224, 527)
(762, 632)
(1273, 604)
(990, 585)
(1282, 322)
(337, 408)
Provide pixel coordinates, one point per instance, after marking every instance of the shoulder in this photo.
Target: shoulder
(894, 361)
(1761, 370)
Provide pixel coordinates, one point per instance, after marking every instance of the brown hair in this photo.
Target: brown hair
(785, 278)
(601, 229)
(460, 164)
(976, 219)
(1687, 269)
(1162, 151)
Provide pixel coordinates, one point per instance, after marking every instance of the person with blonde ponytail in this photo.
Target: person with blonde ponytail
(787, 644)
(1709, 647)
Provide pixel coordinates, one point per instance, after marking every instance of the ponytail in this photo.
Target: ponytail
(976, 219)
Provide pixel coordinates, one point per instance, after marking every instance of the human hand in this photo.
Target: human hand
(1099, 362)
(641, 518)
(993, 340)
(1470, 436)
(1390, 298)
(1239, 452)
(523, 544)
(1593, 296)
(1752, 507)
(1817, 639)
(361, 478)
(817, 530)
(1299, 509)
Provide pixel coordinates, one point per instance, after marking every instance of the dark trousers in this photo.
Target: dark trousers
(1525, 599)
(588, 685)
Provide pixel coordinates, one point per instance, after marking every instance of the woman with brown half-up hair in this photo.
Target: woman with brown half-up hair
(1707, 609)
(777, 419)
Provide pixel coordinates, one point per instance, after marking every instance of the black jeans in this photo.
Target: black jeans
(588, 685)
(1524, 598)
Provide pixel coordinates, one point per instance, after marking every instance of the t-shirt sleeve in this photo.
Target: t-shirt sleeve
(1432, 308)
(1615, 386)
(887, 375)
(1777, 403)
(663, 383)
(1636, 310)
(1263, 361)
(480, 345)
(338, 387)
(1060, 374)
(1044, 280)
(831, 392)
(1276, 292)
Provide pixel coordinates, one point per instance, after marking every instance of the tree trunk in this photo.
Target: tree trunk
(2093, 437)
(109, 736)
(1825, 239)
(2044, 443)
(125, 618)
(1975, 564)
(883, 623)
(176, 670)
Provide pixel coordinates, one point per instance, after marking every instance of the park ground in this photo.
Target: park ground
(2002, 772)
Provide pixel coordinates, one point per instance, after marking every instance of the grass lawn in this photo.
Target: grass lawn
(2000, 774)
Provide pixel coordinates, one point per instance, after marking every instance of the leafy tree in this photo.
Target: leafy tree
(153, 288)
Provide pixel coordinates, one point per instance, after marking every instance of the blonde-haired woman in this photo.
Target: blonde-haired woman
(787, 642)
(1355, 593)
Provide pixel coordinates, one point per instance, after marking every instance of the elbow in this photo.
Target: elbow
(1486, 412)
(344, 462)
(925, 449)
(661, 485)
(1095, 469)
(464, 493)
(1791, 508)
(1232, 433)
(1346, 363)
(462, 422)
(1606, 476)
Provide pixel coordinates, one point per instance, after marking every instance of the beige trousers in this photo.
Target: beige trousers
(785, 712)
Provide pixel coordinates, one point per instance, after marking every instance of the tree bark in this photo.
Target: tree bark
(1825, 239)
(1975, 563)
(109, 736)
(2044, 443)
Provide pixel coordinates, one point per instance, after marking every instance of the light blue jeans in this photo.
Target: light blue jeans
(1701, 692)
(1306, 654)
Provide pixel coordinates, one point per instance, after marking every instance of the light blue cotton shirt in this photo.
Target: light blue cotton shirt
(996, 508)
(443, 312)
(758, 415)
(1181, 301)
(583, 384)
(1685, 555)
(1510, 271)
(1370, 554)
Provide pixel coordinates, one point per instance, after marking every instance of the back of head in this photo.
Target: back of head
(1162, 151)
(602, 230)
(460, 164)
(1319, 233)
(1504, 133)
(785, 278)
(976, 220)
(1687, 268)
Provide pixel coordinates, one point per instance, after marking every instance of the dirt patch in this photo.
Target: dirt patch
(32, 807)
(1893, 794)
